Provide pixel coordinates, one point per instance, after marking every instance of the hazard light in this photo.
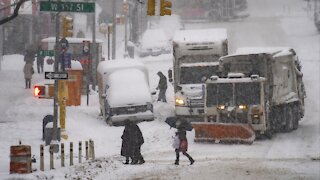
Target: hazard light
(39, 90)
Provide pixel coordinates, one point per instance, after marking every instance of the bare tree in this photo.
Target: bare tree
(15, 12)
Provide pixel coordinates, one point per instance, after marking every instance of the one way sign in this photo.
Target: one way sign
(56, 75)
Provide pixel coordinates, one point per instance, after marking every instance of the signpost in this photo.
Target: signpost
(56, 6)
(56, 75)
(62, 46)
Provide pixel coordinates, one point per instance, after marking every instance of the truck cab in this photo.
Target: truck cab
(196, 53)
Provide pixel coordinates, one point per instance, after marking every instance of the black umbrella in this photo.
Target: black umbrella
(179, 123)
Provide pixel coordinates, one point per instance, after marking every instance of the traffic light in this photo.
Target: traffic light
(165, 8)
(67, 26)
(151, 8)
(39, 90)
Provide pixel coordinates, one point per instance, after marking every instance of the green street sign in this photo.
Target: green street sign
(85, 7)
(46, 53)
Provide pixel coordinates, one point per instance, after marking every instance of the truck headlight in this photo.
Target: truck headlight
(221, 107)
(242, 107)
(179, 101)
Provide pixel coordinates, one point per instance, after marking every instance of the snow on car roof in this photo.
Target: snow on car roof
(128, 86)
(199, 64)
(276, 51)
(106, 67)
(200, 35)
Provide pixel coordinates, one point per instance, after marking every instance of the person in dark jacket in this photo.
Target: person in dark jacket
(40, 61)
(127, 142)
(181, 140)
(138, 141)
(162, 86)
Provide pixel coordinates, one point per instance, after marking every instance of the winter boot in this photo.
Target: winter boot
(127, 160)
(176, 162)
(191, 161)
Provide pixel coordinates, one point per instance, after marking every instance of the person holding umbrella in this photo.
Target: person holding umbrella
(181, 145)
(180, 142)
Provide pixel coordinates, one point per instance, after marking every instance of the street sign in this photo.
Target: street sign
(85, 7)
(55, 75)
(46, 53)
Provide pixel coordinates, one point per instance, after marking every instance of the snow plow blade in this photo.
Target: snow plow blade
(223, 132)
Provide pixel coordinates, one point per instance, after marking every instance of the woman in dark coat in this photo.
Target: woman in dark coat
(183, 146)
(127, 142)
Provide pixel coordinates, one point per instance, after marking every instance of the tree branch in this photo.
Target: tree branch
(15, 13)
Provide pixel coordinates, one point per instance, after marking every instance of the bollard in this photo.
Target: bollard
(41, 158)
(87, 149)
(80, 151)
(92, 149)
(62, 154)
(71, 154)
(51, 157)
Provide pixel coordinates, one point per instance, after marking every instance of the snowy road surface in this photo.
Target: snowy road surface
(294, 155)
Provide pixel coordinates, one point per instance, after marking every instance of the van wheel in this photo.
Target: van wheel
(109, 122)
(296, 116)
(288, 118)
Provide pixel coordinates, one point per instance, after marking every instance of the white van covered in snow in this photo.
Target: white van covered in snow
(124, 91)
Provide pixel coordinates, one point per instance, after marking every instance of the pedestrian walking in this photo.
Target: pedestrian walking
(40, 61)
(138, 141)
(180, 144)
(127, 142)
(28, 72)
(162, 86)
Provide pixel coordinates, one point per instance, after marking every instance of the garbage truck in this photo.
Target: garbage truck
(196, 53)
(124, 91)
(258, 91)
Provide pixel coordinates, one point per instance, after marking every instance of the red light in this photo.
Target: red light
(36, 91)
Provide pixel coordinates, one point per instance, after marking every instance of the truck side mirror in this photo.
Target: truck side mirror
(170, 75)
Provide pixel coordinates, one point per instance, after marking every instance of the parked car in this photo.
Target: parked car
(154, 42)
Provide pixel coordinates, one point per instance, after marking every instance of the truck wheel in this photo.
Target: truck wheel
(296, 116)
(288, 118)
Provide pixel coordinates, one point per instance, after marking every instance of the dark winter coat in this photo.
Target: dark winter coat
(131, 138)
(182, 134)
(162, 82)
(127, 143)
(137, 135)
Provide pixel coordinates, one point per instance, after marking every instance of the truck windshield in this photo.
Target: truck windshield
(219, 94)
(247, 93)
(222, 94)
(195, 74)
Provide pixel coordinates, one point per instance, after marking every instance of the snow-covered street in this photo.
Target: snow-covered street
(294, 155)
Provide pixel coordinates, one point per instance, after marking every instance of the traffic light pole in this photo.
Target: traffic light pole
(56, 69)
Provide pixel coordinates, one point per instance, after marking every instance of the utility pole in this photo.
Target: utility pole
(94, 58)
(56, 69)
(1, 40)
(114, 34)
